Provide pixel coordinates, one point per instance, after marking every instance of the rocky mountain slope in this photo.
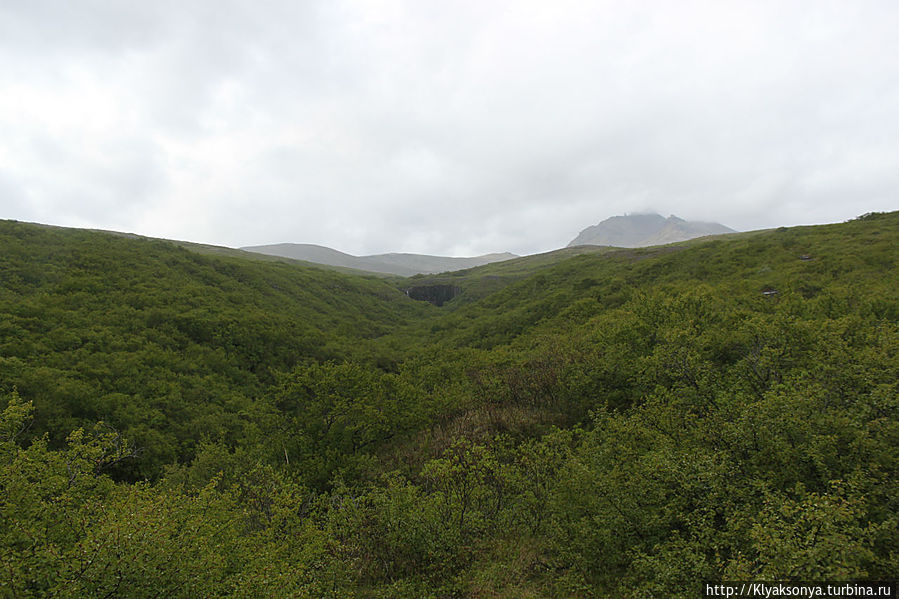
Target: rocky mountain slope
(643, 230)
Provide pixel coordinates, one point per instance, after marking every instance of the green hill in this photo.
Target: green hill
(589, 422)
(168, 344)
(856, 260)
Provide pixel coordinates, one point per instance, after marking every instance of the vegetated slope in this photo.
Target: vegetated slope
(643, 230)
(394, 263)
(809, 262)
(477, 283)
(473, 284)
(166, 344)
(617, 423)
(726, 380)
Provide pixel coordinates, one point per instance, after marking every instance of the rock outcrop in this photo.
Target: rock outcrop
(435, 294)
(642, 230)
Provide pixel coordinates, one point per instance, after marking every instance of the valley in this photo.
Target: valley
(185, 420)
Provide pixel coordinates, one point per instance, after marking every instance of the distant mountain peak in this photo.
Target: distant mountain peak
(642, 230)
(393, 263)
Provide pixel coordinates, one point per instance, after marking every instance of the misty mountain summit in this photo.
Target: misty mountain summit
(642, 230)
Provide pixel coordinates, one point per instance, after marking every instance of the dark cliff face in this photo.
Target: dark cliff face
(435, 294)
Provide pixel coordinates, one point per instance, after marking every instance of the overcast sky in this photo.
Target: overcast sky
(450, 127)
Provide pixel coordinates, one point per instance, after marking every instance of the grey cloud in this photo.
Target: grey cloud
(13, 199)
(114, 184)
(448, 127)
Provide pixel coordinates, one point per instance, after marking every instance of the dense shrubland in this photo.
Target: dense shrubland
(624, 423)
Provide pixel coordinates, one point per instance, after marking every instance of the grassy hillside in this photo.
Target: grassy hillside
(573, 284)
(168, 344)
(591, 422)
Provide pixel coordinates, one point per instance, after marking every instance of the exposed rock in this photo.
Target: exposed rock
(435, 294)
(643, 230)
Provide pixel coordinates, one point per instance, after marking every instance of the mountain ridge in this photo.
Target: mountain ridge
(396, 263)
(644, 230)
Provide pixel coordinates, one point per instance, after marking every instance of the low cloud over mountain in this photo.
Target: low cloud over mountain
(642, 230)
